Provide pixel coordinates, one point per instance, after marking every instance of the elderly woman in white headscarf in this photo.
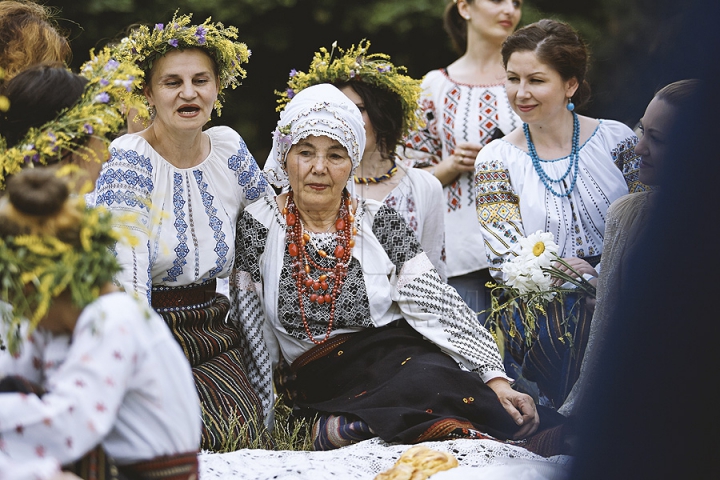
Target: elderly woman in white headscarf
(374, 343)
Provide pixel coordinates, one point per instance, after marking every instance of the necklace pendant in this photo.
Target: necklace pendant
(340, 224)
(322, 253)
(291, 219)
(313, 297)
(308, 282)
(339, 252)
(293, 250)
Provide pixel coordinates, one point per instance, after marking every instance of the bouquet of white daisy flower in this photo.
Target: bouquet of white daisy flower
(531, 282)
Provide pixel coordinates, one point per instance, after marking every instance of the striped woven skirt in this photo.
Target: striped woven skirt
(231, 409)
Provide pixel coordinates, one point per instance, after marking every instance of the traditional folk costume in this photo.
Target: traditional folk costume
(118, 383)
(457, 112)
(514, 201)
(390, 350)
(185, 233)
(417, 197)
(119, 380)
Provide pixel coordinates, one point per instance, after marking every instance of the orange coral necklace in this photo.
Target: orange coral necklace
(326, 288)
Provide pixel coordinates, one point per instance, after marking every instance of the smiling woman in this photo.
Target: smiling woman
(557, 174)
(185, 188)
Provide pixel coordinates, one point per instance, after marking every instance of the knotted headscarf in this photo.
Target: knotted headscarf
(320, 110)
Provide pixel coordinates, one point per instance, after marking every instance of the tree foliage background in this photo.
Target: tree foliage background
(626, 38)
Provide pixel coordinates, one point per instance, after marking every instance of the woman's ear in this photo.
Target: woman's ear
(571, 87)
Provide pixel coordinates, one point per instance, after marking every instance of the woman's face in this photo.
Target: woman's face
(183, 88)
(370, 140)
(318, 169)
(652, 146)
(492, 18)
(536, 91)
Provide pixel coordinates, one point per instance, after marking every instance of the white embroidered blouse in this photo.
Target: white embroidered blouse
(457, 112)
(185, 218)
(512, 201)
(121, 380)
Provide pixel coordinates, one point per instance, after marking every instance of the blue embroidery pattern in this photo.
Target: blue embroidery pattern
(221, 248)
(181, 226)
(249, 175)
(126, 180)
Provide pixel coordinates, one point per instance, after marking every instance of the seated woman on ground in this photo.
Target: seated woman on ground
(102, 368)
(388, 101)
(625, 221)
(340, 287)
(185, 187)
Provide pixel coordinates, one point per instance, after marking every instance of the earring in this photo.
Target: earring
(466, 17)
(152, 111)
(570, 105)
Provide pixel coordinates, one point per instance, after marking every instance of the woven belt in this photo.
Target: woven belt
(187, 297)
(319, 351)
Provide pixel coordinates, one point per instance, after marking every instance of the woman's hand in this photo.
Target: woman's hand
(461, 161)
(520, 406)
(580, 266)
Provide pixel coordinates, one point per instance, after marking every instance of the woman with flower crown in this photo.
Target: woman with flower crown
(186, 187)
(86, 364)
(340, 289)
(56, 117)
(387, 99)
(559, 173)
(464, 107)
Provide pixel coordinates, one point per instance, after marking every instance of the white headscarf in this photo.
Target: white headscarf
(320, 110)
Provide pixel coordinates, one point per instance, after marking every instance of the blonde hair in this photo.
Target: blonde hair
(28, 35)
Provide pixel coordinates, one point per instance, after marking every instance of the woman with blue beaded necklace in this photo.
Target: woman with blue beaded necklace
(558, 174)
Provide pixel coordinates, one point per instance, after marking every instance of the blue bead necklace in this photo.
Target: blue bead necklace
(573, 166)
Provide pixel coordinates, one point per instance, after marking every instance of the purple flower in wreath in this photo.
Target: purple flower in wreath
(102, 97)
(200, 35)
(173, 42)
(88, 129)
(290, 93)
(284, 139)
(53, 140)
(112, 64)
(104, 82)
(352, 73)
(159, 27)
(384, 69)
(293, 72)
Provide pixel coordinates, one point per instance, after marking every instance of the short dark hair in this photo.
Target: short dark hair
(37, 95)
(555, 44)
(385, 112)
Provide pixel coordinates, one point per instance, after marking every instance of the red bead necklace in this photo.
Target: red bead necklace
(326, 288)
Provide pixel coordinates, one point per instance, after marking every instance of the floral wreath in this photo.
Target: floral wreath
(357, 65)
(98, 112)
(50, 266)
(143, 46)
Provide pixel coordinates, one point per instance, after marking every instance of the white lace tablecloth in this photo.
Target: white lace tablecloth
(364, 460)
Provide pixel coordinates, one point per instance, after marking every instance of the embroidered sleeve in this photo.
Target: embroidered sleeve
(125, 187)
(498, 211)
(396, 238)
(246, 310)
(249, 176)
(434, 309)
(431, 306)
(82, 403)
(628, 162)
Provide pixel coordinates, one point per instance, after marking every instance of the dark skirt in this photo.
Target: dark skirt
(402, 386)
(553, 357)
(230, 406)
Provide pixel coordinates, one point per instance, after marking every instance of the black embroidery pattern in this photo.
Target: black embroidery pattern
(351, 307)
(250, 240)
(397, 239)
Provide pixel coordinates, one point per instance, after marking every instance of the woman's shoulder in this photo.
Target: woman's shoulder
(613, 130)
(422, 180)
(498, 150)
